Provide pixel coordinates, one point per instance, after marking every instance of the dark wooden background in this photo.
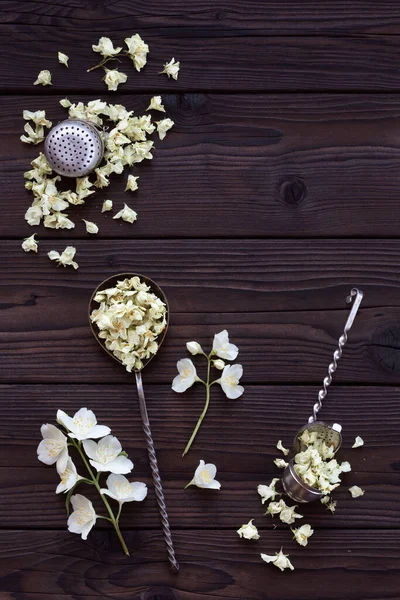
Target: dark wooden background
(275, 193)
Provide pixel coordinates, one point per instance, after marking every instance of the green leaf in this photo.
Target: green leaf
(123, 453)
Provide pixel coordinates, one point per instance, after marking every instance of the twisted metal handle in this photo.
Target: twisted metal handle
(357, 295)
(156, 475)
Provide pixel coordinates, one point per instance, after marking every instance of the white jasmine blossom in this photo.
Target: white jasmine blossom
(126, 214)
(282, 449)
(302, 534)
(230, 381)
(156, 104)
(223, 348)
(107, 205)
(106, 48)
(131, 183)
(121, 490)
(163, 126)
(204, 477)
(358, 442)
(63, 59)
(194, 348)
(356, 491)
(171, 68)
(137, 51)
(218, 364)
(44, 78)
(268, 492)
(83, 519)
(113, 78)
(248, 531)
(91, 227)
(280, 560)
(53, 448)
(187, 375)
(280, 463)
(30, 244)
(83, 425)
(66, 258)
(69, 477)
(106, 455)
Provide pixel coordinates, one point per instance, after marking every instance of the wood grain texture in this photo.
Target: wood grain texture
(282, 302)
(230, 18)
(36, 565)
(236, 166)
(208, 61)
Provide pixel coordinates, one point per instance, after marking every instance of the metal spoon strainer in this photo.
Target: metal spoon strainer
(74, 148)
(292, 483)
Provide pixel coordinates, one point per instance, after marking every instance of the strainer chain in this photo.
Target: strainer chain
(357, 296)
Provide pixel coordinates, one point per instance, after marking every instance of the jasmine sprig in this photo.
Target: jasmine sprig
(229, 380)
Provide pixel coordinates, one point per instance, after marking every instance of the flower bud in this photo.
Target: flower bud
(219, 364)
(194, 347)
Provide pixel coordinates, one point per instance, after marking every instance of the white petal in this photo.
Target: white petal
(65, 420)
(180, 384)
(139, 491)
(90, 448)
(106, 492)
(98, 431)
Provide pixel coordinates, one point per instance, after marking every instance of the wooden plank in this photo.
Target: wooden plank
(282, 301)
(209, 61)
(233, 18)
(239, 166)
(213, 565)
(241, 435)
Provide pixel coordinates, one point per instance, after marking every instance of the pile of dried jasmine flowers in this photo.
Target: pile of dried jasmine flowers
(130, 319)
(126, 144)
(318, 468)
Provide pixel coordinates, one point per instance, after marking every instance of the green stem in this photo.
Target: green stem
(102, 63)
(204, 412)
(113, 520)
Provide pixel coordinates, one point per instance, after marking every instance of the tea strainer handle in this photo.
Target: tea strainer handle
(354, 297)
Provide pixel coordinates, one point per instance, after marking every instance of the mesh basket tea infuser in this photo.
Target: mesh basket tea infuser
(292, 483)
(74, 148)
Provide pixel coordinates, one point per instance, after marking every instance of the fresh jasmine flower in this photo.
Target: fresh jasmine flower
(230, 381)
(30, 244)
(44, 78)
(302, 534)
(358, 442)
(53, 448)
(248, 531)
(280, 463)
(63, 59)
(83, 425)
(65, 103)
(90, 226)
(280, 560)
(69, 477)
(156, 104)
(268, 492)
(194, 348)
(66, 258)
(106, 48)
(137, 51)
(187, 375)
(121, 490)
(131, 183)
(218, 364)
(282, 449)
(356, 491)
(223, 348)
(204, 477)
(126, 214)
(107, 205)
(113, 78)
(163, 126)
(171, 68)
(83, 518)
(106, 455)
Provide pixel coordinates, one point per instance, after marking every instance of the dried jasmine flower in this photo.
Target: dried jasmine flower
(249, 531)
(356, 491)
(44, 78)
(131, 183)
(358, 442)
(126, 214)
(58, 220)
(279, 560)
(63, 59)
(268, 492)
(302, 534)
(113, 78)
(280, 447)
(171, 69)
(107, 205)
(137, 51)
(156, 104)
(30, 244)
(65, 258)
(90, 226)
(163, 126)
(280, 463)
(130, 319)
(106, 48)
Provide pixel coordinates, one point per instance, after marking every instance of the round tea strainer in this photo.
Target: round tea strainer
(292, 483)
(74, 148)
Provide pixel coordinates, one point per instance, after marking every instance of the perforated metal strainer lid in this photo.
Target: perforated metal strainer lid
(74, 148)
